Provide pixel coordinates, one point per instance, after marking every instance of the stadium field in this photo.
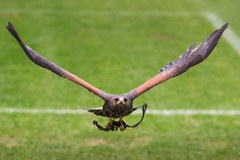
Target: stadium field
(117, 45)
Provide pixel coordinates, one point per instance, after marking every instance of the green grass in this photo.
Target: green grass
(73, 137)
(117, 45)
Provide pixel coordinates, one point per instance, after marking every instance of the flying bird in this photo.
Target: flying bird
(117, 106)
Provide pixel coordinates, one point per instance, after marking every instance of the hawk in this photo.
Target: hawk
(117, 106)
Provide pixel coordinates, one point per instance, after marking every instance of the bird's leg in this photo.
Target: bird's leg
(122, 124)
(112, 125)
(110, 122)
(99, 126)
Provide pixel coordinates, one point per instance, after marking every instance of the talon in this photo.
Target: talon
(95, 122)
(109, 127)
(100, 127)
(110, 121)
(122, 128)
(122, 124)
(115, 128)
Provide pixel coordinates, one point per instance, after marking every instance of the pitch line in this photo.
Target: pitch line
(175, 112)
(230, 36)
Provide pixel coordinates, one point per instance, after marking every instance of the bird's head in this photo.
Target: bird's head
(120, 101)
(118, 106)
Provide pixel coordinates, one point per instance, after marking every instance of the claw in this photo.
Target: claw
(111, 126)
(96, 124)
(107, 128)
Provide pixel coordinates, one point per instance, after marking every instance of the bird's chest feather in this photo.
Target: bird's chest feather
(117, 111)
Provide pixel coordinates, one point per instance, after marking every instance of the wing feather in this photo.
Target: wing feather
(45, 63)
(193, 56)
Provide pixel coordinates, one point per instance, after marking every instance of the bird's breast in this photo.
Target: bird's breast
(118, 111)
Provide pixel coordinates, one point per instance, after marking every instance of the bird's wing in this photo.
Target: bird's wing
(191, 57)
(45, 63)
(98, 112)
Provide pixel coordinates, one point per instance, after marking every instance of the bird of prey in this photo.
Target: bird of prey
(117, 106)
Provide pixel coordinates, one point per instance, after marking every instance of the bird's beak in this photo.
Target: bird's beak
(121, 101)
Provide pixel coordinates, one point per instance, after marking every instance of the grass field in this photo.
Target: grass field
(117, 45)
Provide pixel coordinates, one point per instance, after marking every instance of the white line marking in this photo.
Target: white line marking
(229, 35)
(42, 111)
(211, 112)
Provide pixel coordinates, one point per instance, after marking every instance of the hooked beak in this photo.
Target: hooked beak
(121, 101)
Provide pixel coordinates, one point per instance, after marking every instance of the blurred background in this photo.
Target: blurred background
(116, 46)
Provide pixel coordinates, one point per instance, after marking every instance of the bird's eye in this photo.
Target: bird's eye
(116, 99)
(125, 100)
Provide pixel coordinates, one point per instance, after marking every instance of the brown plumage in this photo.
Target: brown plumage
(120, 105)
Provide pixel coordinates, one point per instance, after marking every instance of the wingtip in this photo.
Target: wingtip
(9, 25)
(10, 28)
(224, 26)
(14, 33)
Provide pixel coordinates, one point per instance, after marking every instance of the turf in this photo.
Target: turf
(117, 45)
(73, 137)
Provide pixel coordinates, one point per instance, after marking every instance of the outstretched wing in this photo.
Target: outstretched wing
(45, 63)
(191, 57)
